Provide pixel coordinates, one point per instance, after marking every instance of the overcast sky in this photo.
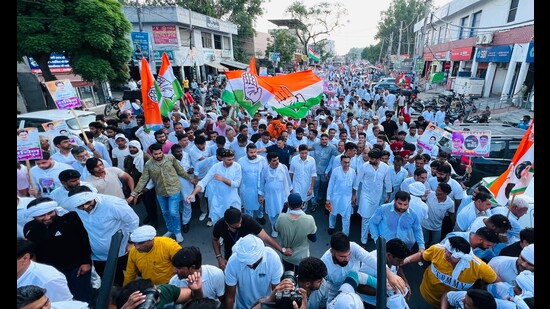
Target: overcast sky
(363, 19)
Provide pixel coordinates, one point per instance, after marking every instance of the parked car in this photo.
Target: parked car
(36, 119)
(528, 219)
(393, 88)
(505, 140)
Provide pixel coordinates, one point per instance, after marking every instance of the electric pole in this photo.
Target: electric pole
(399, 44)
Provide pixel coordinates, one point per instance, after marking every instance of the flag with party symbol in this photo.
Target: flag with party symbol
(150, 93)
(170, 87)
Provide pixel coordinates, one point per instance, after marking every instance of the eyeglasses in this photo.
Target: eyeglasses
(85, 205)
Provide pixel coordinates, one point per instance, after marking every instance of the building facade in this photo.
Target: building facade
(197, 45)
(485, 42)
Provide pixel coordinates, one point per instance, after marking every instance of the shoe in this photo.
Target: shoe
(179, 238)
(185, 228)
(274, 234)
(202, 216)
(168, 234)
(330, 231)
(209, 223)
(261, 220)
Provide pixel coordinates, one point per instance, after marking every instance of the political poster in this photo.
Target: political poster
(28, 144)
(56, 128)
(63, 94)
(471, 143)
(431, 136)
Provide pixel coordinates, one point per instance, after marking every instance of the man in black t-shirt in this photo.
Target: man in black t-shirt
(235, 225)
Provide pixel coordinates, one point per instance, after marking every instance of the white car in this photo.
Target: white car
(36, 119)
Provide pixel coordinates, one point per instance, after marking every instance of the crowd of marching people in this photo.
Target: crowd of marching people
(256, 179)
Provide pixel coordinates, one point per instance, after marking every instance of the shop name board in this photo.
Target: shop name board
(464, 53)
(165, 35)
(501, 53)
(157, 54)
(58, 63)
(212, 23)
(531, 53)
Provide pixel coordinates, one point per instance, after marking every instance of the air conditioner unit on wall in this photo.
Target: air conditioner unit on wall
(484, 38)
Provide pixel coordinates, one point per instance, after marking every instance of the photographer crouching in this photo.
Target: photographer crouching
(307, 289)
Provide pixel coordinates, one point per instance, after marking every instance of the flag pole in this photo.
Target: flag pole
(510, 203)
(31, 182)
(80, 126)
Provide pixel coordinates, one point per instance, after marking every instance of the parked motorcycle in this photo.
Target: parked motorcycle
(111, 105)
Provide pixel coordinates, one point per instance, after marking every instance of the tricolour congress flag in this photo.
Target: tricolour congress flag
(520, 172)
(150, 93)
(170, 87)
(313, 54)
(289, 95)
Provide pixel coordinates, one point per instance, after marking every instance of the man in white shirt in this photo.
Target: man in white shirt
(303, 173)
(251, 166)
(252, 271)
(188, 261)
(45, 175)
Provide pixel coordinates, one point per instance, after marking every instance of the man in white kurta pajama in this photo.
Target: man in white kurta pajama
(186, 185)
(339, 193)
(274, 188)
(251, 166)
(224, 189)
(303, 173)
(373, 175)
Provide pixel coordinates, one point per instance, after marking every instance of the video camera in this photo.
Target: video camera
(284, 299)
(151, 297)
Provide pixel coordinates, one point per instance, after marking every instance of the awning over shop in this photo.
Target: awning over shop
(234, 64)
(216, 65)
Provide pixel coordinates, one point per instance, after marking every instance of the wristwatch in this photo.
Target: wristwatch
(283, 250)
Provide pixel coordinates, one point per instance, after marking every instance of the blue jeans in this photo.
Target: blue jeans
(320, 191)
(170, 208)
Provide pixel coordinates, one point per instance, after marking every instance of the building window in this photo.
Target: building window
(441, 35)
(226, 43)
(217, 41)
(513, 11)
(463, 30)
(476, 18)
(206, 39)
(185, 37)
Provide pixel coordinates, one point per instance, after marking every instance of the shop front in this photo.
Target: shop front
(496, 60)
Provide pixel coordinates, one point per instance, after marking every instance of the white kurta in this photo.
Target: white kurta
(372, 185)
(186, 186)
(222, 196)
(275, 187)
(251, 170)
(340, 189)
(302, 171)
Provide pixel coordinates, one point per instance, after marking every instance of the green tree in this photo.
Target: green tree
(243, 13)
(354, 54)
(318, 21)
(408, 11)
(284, 43)
(371, 53)
(93, 35)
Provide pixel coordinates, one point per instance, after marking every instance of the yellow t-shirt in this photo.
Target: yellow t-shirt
(186, 83)
(155, 264)
(432, 286)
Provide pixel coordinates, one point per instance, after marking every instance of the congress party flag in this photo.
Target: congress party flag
(170, 87)
(520, 172)
(150, 93)
(252, 66)
(289, 95)
(313, 54)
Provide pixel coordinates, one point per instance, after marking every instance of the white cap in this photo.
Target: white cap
(346, 299)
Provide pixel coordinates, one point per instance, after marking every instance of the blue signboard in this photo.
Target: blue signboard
(501, 53)
(531, 53)
(157, 55)
(140, 45)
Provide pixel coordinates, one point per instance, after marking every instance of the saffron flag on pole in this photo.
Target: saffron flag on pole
(170, 87)
(252, 66)
(289, 95)
(520, 172)
(150, 94)
(313, 54)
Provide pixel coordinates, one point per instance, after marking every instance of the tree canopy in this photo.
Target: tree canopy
(285, 44)
(319, 20)
(93, 35)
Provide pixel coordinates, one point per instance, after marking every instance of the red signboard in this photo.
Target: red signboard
(165, 35)
(463, 53)
(429, 56)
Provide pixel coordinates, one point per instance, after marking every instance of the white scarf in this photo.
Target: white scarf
(40, 209)
(138, 157)
(464, 262)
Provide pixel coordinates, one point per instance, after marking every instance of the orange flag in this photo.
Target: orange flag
(150, 94)
(252, 66)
